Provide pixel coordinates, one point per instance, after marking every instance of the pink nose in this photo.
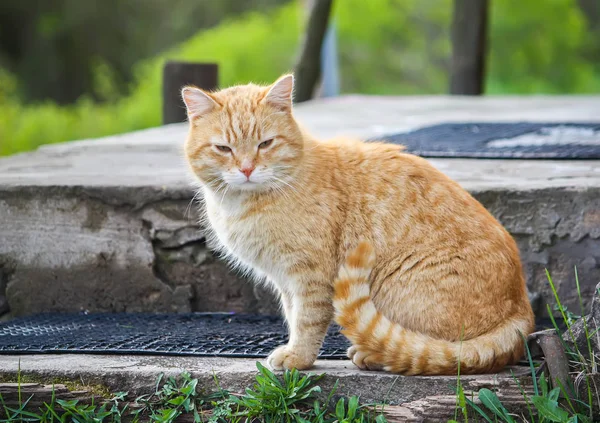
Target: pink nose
(247, 171)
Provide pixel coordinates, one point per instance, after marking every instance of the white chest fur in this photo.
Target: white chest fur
(249, 243)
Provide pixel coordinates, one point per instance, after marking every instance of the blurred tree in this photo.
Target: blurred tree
(308, 67)
(541, 50)
(469, 46)
(389, 47)
(591, 11)
(63, 49)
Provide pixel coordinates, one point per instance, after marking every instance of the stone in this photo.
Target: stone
(112, 224)
(76, 253)
(576, 337)
(414, 396)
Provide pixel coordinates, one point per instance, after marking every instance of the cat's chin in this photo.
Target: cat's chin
(249, 187)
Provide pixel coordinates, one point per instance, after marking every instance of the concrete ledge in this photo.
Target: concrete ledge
(411, 398)
(106, 225)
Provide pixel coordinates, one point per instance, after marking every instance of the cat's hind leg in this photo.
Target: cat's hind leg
(363, 360)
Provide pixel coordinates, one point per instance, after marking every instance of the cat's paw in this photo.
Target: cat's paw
(286, 358)
(363, 360)
(351, 351)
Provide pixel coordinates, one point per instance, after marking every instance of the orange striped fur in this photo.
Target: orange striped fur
(412, 263)
(380, 343)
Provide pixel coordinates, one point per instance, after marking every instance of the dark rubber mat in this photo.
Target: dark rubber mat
(197, 334)
(521, 140)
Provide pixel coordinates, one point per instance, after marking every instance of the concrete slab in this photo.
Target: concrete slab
(138, 375)
(107, 224)
(154, 157)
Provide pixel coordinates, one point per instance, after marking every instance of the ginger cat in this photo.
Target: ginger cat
(417, 272)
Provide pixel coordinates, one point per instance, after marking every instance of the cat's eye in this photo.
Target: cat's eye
(223, 148)
(266, 143)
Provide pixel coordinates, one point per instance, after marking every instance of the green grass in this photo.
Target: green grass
(291, 398)
(385, 47)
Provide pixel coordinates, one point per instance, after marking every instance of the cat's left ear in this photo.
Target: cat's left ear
(280, 94)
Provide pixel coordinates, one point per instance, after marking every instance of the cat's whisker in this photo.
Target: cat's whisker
(189, 206)
(293, 188)
(280, 190)
(218, 188)
(221, 189)
(276, 186)
(223, 196)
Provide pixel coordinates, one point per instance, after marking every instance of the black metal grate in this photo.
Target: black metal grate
(197, 334)
(480, 140)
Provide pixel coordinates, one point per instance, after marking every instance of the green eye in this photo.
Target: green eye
(223, 148)
(266, 143)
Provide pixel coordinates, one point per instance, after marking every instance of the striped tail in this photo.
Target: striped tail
(379, 343)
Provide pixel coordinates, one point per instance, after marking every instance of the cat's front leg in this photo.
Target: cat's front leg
(311, 312)
(287, 303)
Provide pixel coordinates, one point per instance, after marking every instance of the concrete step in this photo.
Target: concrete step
(413, 398)
(108, 224)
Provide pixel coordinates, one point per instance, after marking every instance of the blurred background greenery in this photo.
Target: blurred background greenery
(74, 69)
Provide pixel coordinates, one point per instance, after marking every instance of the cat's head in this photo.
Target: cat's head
(244, 137)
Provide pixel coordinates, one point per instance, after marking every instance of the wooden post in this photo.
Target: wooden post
(469, 44)
(308, 67)
(178, 74)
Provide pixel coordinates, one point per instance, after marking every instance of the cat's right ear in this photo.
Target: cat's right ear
(197, 102)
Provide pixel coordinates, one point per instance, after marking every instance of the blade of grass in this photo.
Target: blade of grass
(458, 384)
(387, 395)
(560, 306)
(4, 405)
(566, 396)
(589, 345)
(479, 410)
(525, 396)
(19, 384)
(531, 366)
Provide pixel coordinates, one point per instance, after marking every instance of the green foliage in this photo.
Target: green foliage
(63, 411)
(385, 47)
(171, 400)
(269, 396)
(59, 47)
(540, 50)
(492, 403)
(394, 46)
(546, 406)
(238, 45)
(291, 399)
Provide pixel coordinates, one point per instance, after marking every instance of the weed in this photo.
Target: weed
(170, 400)
(290, 399)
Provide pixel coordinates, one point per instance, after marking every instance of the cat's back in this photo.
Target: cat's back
(400, 195)
(383, 168)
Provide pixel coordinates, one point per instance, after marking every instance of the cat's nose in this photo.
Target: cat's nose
(247, 171)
